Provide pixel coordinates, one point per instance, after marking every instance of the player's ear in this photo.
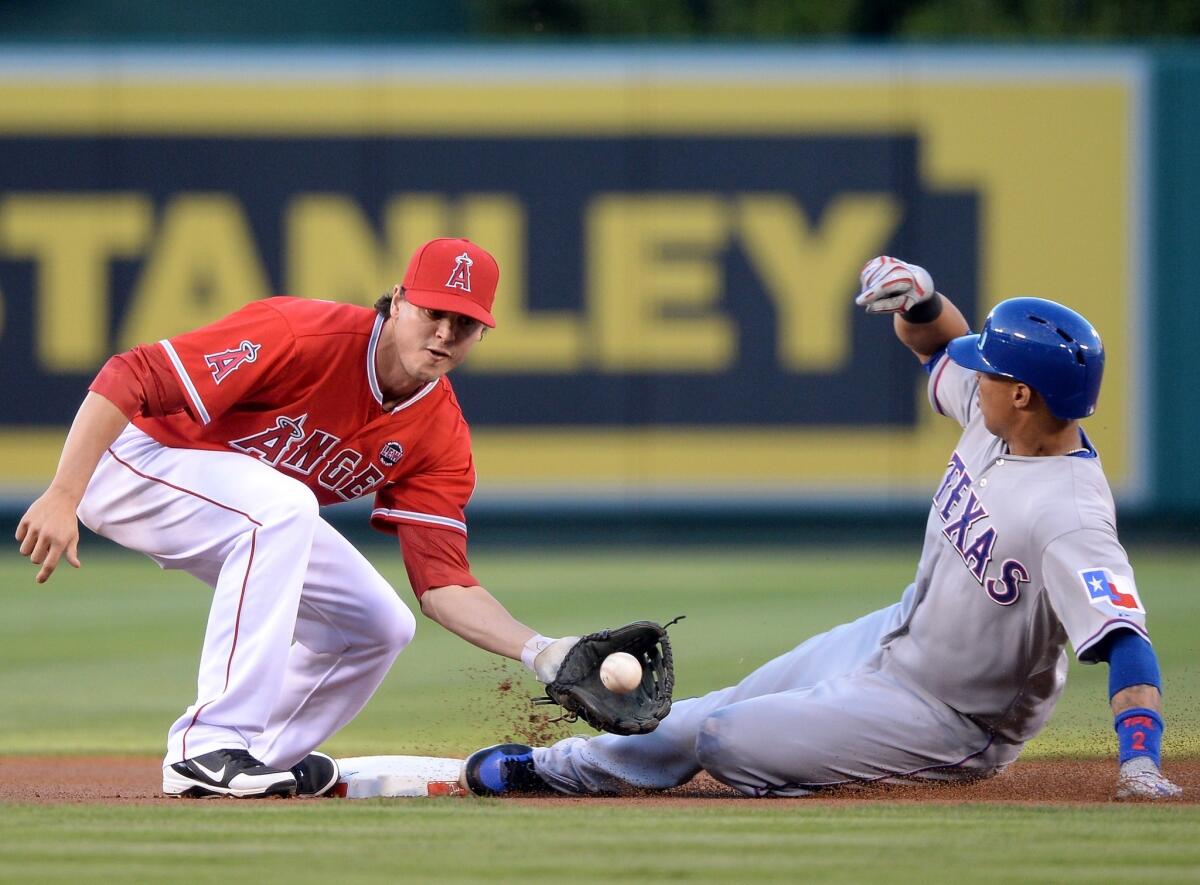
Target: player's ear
(1023, 396)
(397, 297)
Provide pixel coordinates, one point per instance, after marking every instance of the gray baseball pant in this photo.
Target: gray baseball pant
(828, 712)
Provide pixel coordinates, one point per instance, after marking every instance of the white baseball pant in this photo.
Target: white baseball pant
(302, 629)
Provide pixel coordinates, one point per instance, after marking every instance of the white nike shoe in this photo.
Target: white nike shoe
(226, 773)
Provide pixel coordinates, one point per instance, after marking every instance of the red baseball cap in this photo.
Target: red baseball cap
(455, 275)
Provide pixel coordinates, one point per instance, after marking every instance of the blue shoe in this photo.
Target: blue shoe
(503, 769)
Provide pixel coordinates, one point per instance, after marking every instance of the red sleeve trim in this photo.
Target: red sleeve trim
(198, 409)
(1107, 627)
(118, 384)
(140, 382)
(434, 557)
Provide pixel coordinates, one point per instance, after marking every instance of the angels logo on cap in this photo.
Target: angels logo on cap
(460, 277)
(455, 275)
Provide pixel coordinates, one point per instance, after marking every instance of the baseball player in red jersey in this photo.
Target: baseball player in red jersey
(211, 451)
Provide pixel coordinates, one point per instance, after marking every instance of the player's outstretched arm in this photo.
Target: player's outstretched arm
(479, 618)
(49, 530)
(1137, 717)
(925, 321)
(571, 668)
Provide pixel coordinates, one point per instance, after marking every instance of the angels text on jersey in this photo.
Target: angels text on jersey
(289, 445)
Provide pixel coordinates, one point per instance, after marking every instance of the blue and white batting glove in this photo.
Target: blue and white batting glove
(889, 285)
(1140, 779)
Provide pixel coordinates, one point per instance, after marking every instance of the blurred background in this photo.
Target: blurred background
(680, 195)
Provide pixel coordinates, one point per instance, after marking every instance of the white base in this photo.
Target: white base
(372, 777)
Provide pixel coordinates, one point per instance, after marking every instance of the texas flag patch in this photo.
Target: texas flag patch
(1117, 590)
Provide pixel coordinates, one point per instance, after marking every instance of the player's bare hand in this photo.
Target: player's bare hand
(49, 531)
(1141, 779)
(889, 285)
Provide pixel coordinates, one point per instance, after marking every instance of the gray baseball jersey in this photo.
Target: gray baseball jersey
(1020, 556)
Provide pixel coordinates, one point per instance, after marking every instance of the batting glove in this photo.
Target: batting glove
(1140, 779)
(890, 285)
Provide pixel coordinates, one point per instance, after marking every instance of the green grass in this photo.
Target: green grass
(102, 660)
(596, 840)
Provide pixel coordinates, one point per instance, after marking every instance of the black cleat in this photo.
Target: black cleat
(226, 773)
(315, 774)
(503, 769)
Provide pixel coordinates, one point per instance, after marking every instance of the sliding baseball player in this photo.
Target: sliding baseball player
(1021, 558)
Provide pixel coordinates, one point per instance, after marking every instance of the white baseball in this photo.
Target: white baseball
(621, 673)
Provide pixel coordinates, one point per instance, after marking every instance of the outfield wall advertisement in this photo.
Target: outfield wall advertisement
(679, 239)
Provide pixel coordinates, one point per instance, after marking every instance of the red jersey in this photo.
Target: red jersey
(292, 382)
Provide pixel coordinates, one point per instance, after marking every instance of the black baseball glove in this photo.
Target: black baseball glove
(577, 687)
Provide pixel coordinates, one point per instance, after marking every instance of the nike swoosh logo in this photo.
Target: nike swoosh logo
(215, 775)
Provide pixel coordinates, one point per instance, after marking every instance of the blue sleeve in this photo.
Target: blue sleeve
(1131, 661)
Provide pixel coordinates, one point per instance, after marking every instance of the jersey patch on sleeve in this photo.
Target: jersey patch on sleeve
(224, 363)
(1103, 587)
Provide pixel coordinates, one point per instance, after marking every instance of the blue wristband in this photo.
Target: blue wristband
(1139, 733)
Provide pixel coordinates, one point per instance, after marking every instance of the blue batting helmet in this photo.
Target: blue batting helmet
(1043, 344)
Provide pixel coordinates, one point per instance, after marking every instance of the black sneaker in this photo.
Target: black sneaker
(226, 773)
(315, 774)
(502, 769)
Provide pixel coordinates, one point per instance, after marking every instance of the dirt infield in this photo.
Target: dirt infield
(120, 780)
